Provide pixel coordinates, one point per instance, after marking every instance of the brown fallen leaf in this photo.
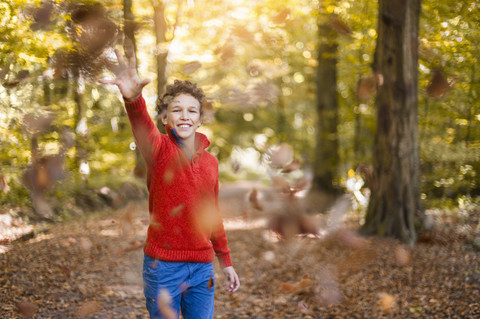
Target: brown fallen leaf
(386, 301)
(27, 309)
(88, 308)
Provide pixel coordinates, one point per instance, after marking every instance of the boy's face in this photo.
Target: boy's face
(183, 115)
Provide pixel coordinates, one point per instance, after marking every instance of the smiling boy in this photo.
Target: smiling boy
(186, 230)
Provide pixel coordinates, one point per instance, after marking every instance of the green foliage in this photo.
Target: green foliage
(258, 64)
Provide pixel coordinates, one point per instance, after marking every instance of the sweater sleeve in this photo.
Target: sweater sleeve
(147, 136)
(219, 238)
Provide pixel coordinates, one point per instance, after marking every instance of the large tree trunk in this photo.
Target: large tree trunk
(395, 198)
(140, 169)
(326, 155)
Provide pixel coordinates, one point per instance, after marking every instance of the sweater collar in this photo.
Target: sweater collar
(201, 141)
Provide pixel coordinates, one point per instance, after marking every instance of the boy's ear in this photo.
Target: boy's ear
(163, 116)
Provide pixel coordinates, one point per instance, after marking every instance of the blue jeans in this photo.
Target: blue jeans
(191, 286)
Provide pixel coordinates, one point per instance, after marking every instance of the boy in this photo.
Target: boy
(186, 229)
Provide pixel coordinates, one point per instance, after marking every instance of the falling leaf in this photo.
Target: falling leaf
(88, 308)
(4, 185)
(438, 86)
(191, 67)
(280, 155)
(42, 16)
(402, 256)
(293, 166)
(227, 53)
(281, 16)
(27, 309)
(177, 210)
(300, 184)
(236, 167)
(386, 301)
(164, 304)
(253, 199)
(242, 33)
(301, 285)
(137, 244)
(85, 244)
(366, 87)
(168, 176)
(338, 25)
(210, 283)
(351, 239)
(280, 184)
(37, 123)
(264, 93)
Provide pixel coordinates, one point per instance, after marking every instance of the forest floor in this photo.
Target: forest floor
(92, 268)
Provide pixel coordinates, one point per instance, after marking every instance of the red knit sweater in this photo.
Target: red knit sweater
(185, 223)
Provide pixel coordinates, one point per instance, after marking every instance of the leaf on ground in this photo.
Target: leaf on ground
(27, 309)
(88, 308)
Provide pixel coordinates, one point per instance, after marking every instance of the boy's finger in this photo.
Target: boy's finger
(121, 61)
(130, 52)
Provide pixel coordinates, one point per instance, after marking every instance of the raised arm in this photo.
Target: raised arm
(130, 85)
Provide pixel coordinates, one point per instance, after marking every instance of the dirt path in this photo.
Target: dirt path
(92, 269)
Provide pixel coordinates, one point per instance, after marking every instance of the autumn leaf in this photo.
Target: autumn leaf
(164, 304)
(88, 308)
(4, 185)
(280, 155)
(210, 283)
(386, 301)
(281, 16)
(366, 87)
(402, 256)
(280, 184)
(253, 199)
(438, 86)
(293, 166)
(27, 309)
(191, 67)
(242, 33)
(177, 210)
(338, 25)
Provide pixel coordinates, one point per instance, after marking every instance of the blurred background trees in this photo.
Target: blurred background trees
(270, 69)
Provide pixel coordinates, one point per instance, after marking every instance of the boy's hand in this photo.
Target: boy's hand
(233, 283)
(126, 77)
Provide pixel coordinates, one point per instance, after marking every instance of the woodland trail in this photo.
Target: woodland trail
(91, 268)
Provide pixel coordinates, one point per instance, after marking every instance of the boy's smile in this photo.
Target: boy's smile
(183, 115)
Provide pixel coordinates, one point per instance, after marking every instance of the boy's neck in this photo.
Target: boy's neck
(188, 147)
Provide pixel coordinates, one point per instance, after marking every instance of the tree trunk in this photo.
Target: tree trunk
(140, 169)
(161, 52)
(326, 155)
(395, 200)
